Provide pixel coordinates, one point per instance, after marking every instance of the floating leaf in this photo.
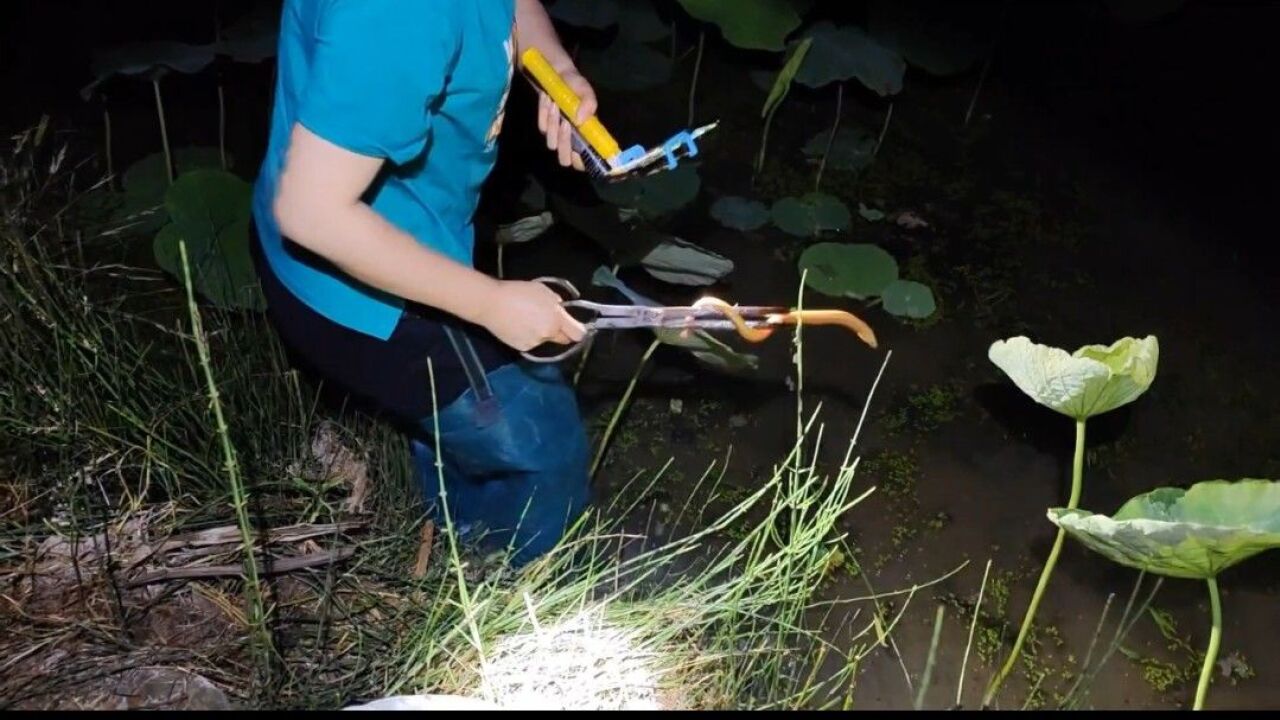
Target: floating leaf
(702, 345)
(737, 213)
(594, 14)
(852, 149)
(626, 244)
(748, 24)
(639, 22)
(907, 298)
(810, 215)
(858, 271)
(524, 229)
(1195, 533)
(1091, 381)
(931, 34)
(782, 83)
(627, 66)
(683, 263)
(210, 210)
(870, 214)
(847, 52)
(654, 195)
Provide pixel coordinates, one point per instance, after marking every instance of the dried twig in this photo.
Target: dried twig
(275, 567)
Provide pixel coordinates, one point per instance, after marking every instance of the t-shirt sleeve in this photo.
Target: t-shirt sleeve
(376, 69)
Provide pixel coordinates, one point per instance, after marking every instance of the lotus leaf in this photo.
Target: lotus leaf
(737, 213)
(1195, 533)
(639, 22)
(858, 271)
(847, 52)
(870, 214)
(683, 263)
(810, 215)
(210, 211)
(594, 14)
(907, 298)
(627, 66)
(852, 149)
(748, 24)
(1091, 381)
(654, 195)
(146, 182)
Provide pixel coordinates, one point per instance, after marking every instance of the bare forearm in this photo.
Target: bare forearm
(534, 29)
(364, 245)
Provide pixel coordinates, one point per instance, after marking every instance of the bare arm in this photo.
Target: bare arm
(319, 207)
(534, 29)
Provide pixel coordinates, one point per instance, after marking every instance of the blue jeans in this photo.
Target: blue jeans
(513, 456)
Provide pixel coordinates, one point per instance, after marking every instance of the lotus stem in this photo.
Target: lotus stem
(1215, 639)
(831, 140)
(1077, 477)
(164, 131)
(222, 126)
(106, 125)
(884, 130)
(697, 69)
(982, 78)
(622, 406)
(501, 246)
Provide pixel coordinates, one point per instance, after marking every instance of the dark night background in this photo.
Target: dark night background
(1190, 98)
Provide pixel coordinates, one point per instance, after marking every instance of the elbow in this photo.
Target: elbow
(288, 215)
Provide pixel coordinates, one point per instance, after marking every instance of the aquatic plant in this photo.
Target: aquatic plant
(778, 92)
(210, 211)
(865, 272)
(811, 215)
(738, 213)
(1093, 380)
(1192, 534)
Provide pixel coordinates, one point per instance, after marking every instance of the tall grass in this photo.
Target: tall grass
(119, 395)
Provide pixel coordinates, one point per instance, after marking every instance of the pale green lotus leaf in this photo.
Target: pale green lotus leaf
(683, 263)
(810, 215)
(738, 213)
(525, 229)
(858, 271)
(1195, 533)
(870, 214)
(748, 24)
(1091, 381)
(907, 298)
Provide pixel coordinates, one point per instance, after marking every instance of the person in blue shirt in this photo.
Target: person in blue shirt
(384, 128)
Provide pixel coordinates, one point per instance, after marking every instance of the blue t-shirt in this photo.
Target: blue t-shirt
(421, 83)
